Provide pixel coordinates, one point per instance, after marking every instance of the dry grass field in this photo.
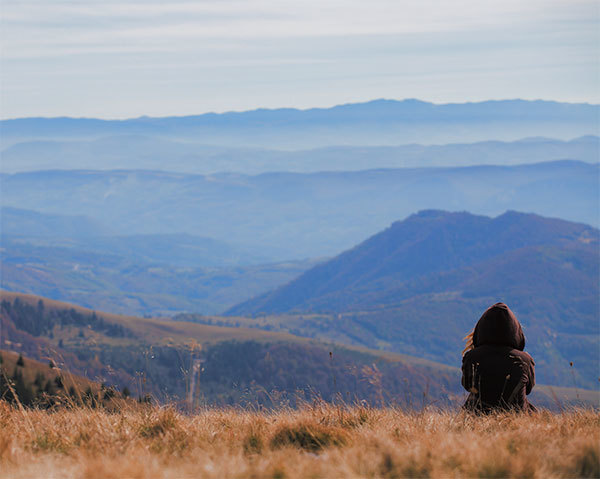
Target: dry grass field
(318, 440)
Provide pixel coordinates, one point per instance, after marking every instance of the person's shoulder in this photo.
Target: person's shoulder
(474, 354)
(468, 356)
(526, 357)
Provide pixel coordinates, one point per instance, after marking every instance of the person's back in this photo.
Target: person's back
(496, 371)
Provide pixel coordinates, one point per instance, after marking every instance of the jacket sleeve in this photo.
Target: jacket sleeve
(467, 376)
(530, 376)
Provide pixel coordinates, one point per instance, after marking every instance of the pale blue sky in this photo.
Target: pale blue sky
(117, 59)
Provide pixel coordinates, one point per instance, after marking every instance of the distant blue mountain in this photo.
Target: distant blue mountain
(389, 266)
(378, 122)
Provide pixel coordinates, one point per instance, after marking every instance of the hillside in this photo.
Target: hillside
(158, 358)
(30, 383)
(420, 286)
(428, 242)
(379, 122)
(239, 365)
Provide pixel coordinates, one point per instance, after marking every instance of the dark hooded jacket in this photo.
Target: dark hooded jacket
(497, 372)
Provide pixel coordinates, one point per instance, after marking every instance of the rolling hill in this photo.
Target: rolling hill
(239, 365)
(154, 358)
(420, 286)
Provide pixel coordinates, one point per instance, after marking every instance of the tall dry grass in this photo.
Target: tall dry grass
(317, 440)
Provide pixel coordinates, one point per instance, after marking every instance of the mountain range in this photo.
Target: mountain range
(378, 122)
(283, 216)
(154, 153)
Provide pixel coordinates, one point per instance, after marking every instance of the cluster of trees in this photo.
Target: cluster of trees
(39, 320)
(14, 386)
(47, 391)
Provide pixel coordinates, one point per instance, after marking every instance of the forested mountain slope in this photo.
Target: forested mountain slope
(239, 365)
(154, 359)
(420, 286)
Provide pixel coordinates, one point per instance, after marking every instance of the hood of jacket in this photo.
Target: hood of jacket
(498, 326)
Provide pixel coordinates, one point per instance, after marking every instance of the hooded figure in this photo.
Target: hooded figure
(495, 370)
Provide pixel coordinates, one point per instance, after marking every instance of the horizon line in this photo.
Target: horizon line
(283, 108)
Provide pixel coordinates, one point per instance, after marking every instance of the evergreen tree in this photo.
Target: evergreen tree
(20, 361)
(49, 388)
(3, 385)
(109, 393)
(23, 392)
(39, 380)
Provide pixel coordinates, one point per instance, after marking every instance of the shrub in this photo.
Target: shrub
(253, 444)
(159, 423)
(310, 437)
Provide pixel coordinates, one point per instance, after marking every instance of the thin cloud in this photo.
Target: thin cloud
(239, 54)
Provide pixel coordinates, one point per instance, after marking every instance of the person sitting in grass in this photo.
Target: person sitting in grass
(495, 370)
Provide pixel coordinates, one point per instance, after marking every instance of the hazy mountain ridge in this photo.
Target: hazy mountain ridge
(154, 153)
(22, 222)
(28, 227)
(291, 215)
(379, 122)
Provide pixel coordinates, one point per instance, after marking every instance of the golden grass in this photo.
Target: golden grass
(315, 441)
